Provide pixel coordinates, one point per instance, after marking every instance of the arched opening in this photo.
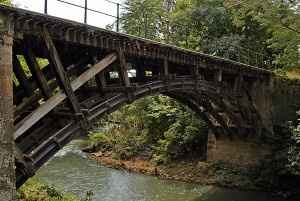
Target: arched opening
(157, 127)
(62, 132)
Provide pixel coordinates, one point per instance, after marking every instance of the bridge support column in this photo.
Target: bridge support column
(7, 162)
(261, 93)
(211, 145)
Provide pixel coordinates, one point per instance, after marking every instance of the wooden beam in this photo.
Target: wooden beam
(166, 67)
(63, 79)
(55, 100)
(31, 101)
(37, 94)
(196, 71)
(218, 79)
(140, 70)
(36, 72)
(238, 81)
(123, 69)
(101, 82)
(218, 76)
(21, 76)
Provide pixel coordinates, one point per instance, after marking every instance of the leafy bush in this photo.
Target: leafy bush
(182, 137)
(293, 153)
(156, 125)
(34, 190)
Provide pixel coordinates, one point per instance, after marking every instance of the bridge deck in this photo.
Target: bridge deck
(28, 22)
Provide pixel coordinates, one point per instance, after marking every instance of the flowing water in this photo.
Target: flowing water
(71, 171)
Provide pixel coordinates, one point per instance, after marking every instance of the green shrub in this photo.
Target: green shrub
(34, 190)
(155, 126)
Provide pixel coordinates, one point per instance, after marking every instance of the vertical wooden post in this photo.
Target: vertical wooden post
(218, 79)
(7, 163)
(196, 76)
(64, 81)
(237, 83)
(101, 82)
(166, 67)
(124, 75)
(123, 69)
(140, 70)
(196, 71)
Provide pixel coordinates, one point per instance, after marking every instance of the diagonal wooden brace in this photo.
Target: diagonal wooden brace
(55, 100)
(63, 80)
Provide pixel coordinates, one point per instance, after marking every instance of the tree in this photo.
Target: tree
(280, 18)
(143, 18)
(5, 2)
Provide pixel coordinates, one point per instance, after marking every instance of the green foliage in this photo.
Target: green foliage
(293, 152)
(142, 18)
(123, 142)
(287, 156)
(220, 27)
(156, 125)
(33, 190)
(185, 135)
(5, 2)
(24, 65)
(41, 62)
(281, 20)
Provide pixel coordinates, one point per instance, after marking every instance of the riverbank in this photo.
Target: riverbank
(191, 171)
(70, 170)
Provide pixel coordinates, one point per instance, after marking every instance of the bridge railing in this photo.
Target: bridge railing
(168, 33)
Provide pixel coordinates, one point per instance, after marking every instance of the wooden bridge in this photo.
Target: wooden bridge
(90, 72)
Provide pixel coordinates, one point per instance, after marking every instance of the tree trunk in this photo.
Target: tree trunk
(7, 164)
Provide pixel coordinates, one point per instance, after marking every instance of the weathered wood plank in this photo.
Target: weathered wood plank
(36, 72)
(63, 79)
(101, 82)
(55, 100)
(218, 79)
(166, 67)
(123, 69)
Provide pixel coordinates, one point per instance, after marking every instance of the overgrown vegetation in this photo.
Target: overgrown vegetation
(220, 27)
(291, 149)
(5, 2)
(34, 190)
(156, 126)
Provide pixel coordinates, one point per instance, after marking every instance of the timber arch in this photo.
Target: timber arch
(42, 142)
(68, 74)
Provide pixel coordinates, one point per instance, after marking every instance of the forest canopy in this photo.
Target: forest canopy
(268, 27)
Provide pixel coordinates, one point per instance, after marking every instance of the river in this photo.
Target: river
(72, 171)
